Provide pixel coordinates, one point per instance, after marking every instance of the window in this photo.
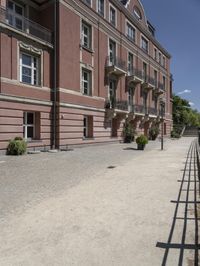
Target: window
(144, 44)
(15, 15)
(156, 77)
(130, 63)
(160, 58)
(29, 125)
(164, 61)
(130, 32)
(86, 35)
(29, 69)
(87, 127)
(145, 71)
(155, 54)
(112, 52)
(137, 13)
(86, 82)
(164, 83)
(112, 16)
(100, 7)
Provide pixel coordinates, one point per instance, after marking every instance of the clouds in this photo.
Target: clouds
(191, 104)
(183, 92)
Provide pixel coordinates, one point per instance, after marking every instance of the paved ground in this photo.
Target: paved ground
(71, 209)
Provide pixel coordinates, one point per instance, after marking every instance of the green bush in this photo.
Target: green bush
(16, 146)
(153, 132)
(142, 139)
(175, 134)
(128, 133)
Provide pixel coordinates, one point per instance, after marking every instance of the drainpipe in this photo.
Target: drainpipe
(55, 77)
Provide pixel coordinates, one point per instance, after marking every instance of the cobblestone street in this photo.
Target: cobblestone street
(98, 205)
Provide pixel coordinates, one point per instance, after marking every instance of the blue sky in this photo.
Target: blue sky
(177, 24)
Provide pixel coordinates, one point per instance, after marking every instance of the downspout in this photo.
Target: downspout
(55, 77)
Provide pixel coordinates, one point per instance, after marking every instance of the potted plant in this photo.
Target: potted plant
(141, 142)
(128, 133)
(153, 132)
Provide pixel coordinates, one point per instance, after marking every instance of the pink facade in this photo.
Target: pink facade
(76, 78)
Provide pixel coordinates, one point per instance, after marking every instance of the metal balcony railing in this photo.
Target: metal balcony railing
(135, 72)
(116, 104)
(116, 62)
(161, 86)
(152, 111)
(25, 25)
(139, 109)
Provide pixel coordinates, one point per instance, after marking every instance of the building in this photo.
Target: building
(72, 72)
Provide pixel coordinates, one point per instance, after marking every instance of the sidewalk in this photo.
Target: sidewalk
(71, 209)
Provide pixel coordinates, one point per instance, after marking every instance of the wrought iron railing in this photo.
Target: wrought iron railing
(116, 104)
(135, 72)
(139, 109)
(25, 25)
(152, 111)
(161, 86)
(117, 62)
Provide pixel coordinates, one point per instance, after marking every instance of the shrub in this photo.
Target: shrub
(153, 132)
(175, 134)
(16, 146)
(142, 139)
(128, 132)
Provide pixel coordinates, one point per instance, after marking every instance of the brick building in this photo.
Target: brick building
(72, 72)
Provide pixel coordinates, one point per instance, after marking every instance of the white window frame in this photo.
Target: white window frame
(15, 15)
(109, 51)
(98, 10)
(129, 62)
(88, 82)
(160, 58)
(25, 125)
(32, 68)
(83, 35)
(128, 24)
(141, 44)
(155, 54)
(164, 61)
(112, 7)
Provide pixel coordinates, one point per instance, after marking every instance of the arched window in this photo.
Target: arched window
(137, 13)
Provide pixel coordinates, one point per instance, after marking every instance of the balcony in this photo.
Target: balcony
(24, 25)
(148, 83)
(117, 104)
(159, 89)
(134, 76)
(139, 109)
(116, 66)
(152, 111)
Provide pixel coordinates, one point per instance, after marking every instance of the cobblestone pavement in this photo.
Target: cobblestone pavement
(98, 205)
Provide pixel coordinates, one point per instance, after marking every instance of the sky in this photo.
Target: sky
(177, 24)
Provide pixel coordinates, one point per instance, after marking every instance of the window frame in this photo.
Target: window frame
(32, 68)
(26, 125)
(130, 25)
(88, 82)
(115, 10)
(129, 61)
(15, 15)
(141, 45)
(98, 10)
(89, 37)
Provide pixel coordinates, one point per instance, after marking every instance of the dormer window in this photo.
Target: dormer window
(137, 13)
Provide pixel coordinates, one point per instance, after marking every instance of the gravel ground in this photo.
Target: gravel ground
(69, 208)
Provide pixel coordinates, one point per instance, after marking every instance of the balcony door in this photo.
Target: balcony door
(112, 52)
(145, 71)
(130, 64)
(112, 91)
(15, 15)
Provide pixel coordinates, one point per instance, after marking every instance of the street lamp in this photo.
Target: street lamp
(162, 109)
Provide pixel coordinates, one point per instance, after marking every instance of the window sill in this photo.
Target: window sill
(31, 85)
(87, 49)
(34, 141)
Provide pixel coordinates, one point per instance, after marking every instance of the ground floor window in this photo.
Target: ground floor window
(29, 125)
(88, 127)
